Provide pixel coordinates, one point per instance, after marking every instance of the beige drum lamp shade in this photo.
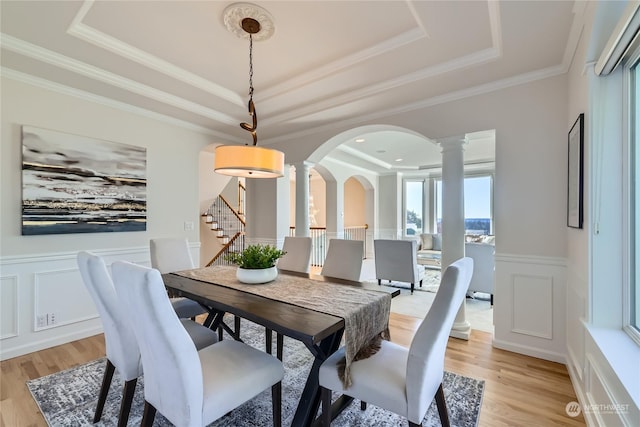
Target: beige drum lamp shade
(249, 161)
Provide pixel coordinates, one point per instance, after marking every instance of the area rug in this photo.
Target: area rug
(68, 398)
(430, 282)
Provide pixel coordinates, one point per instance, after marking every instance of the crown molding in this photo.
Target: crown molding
(45, 55)
(122, 106)
(363, 156)
(334, 67)
(437, 100)
(474, 59)
(90, 35)
(347, 165)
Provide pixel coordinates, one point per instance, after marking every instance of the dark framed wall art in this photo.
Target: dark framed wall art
(78, 184)
(575, 181)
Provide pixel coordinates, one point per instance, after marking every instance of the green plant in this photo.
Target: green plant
(256, 256)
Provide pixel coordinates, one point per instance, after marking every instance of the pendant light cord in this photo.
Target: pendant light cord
(252, 108)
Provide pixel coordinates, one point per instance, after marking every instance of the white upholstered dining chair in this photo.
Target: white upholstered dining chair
(397, 260)
(169, 254)
(189, 387)
(122, 349)
(405, 380)
(344, 259)
(298, 254)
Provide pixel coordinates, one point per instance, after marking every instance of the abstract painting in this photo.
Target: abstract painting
(77, 184)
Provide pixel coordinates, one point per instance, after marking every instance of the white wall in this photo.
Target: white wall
(603, 362)
(354, 203)
(39, 273)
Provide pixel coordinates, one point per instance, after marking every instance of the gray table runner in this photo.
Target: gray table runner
(365, 312)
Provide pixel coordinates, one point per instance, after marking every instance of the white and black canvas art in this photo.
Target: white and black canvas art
(77, 184)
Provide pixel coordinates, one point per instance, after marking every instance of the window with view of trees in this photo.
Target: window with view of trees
(414, 207)
(478, 212)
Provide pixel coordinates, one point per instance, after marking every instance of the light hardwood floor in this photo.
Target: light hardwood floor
(519, 390)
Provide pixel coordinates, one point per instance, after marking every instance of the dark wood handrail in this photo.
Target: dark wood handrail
(232, 210)
(224, 248)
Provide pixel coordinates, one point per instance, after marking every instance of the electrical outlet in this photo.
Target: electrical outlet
(188, 226)
(51, 319)
(41, 320)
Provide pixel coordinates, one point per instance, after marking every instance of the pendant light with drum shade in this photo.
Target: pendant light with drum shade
(249, 161)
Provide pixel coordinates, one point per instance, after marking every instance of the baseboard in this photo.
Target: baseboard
(589, 417)
(530, 351)
(48, 343)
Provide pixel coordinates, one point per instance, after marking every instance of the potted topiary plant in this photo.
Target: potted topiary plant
(257, 263)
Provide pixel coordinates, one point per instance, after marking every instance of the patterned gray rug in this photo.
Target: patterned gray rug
(68, 398)
(430, 282)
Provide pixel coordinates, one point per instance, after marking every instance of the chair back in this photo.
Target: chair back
(169, 254)
(344, 259)
(425, 366)
(298, 254)
(173, 381)
(120, 340)
(396, 260)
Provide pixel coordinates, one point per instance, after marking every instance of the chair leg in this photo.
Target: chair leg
(279, 346)
(379, 282)
(236, 325)
(127, 399)
(325, 395)
(148, 415)
(268, 340)
(442, 407)
(104, 390)
(420, 282)
(363, 405)
(491, 300)
(412, 289)
(276, 403)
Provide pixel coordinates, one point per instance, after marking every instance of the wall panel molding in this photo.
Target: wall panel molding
(529, 292)
(51, 283)
(530, 306)
(9, 306)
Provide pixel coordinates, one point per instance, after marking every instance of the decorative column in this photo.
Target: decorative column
(453, 217)
(267, 203)
(302, 198)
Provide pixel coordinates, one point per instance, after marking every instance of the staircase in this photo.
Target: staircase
(228, 225)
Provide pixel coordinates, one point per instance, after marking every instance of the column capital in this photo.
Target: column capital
(452, 142)
(306, 165)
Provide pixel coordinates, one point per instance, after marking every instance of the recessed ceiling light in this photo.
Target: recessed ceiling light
(381, 151)
(360, 140)
(398, 160)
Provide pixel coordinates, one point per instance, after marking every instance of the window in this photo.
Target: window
(478, 212)
(414, 207)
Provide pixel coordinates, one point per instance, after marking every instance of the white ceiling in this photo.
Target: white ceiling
(328, 62)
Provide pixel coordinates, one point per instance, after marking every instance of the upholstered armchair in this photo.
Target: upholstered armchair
(397, 260)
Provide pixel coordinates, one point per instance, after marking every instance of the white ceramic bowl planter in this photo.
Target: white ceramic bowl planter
(256, 275)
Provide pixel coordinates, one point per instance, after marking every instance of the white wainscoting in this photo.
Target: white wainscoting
(530, 306)
(50, 284)
(8, 300)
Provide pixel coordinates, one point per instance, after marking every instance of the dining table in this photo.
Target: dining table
(315, 310)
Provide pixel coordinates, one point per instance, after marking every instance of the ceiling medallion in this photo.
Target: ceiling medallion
(235, 13)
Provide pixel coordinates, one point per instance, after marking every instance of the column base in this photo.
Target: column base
(461, 330)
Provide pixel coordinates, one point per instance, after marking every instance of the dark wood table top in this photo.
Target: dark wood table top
(300, 323)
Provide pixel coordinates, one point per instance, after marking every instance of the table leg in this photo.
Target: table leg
(310, 398)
